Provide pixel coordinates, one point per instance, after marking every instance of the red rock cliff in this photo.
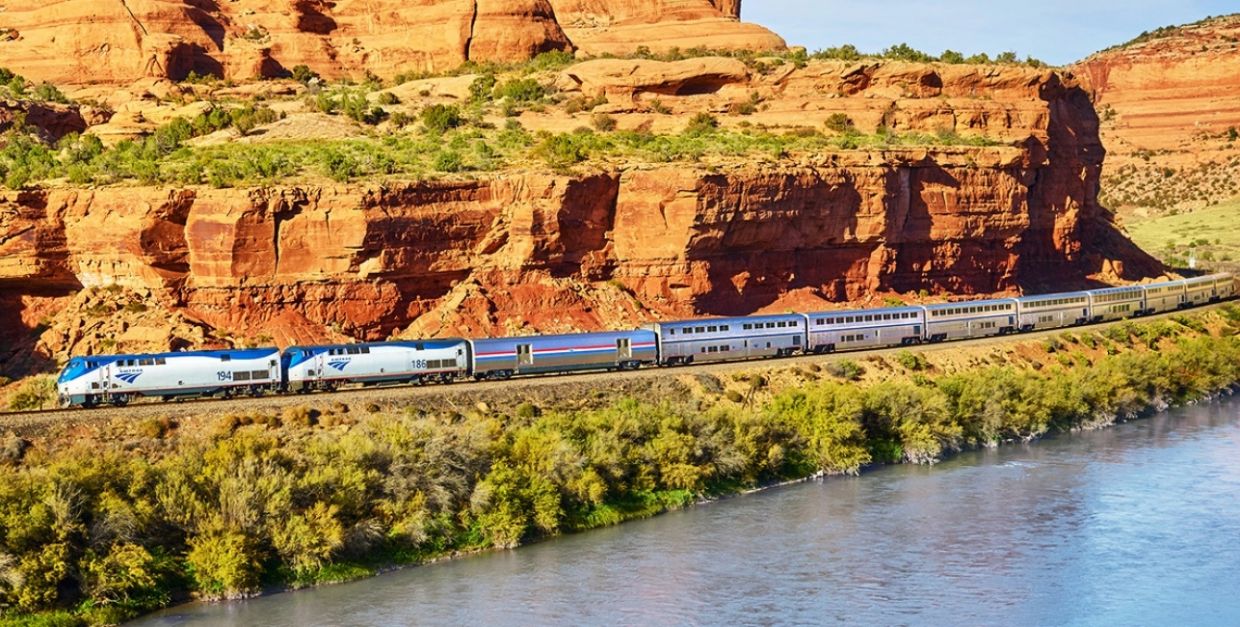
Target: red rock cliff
(120, 41)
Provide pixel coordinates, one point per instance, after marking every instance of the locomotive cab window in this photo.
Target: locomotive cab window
(225, 357)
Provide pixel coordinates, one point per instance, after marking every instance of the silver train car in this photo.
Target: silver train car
(1050, 311)
(1163, 297)
(831, 331)
(981, 318)
(326, 367)
(1116, 303)
(118, 379)
(729, 339)
(501, 358)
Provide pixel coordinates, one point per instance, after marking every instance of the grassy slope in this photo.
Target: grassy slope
(1214, 234)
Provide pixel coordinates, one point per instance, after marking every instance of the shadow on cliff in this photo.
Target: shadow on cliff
(19, 355)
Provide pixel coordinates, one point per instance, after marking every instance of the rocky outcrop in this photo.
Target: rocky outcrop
(625, 79)
(1168, 102)
(597, 27)
(120, 41)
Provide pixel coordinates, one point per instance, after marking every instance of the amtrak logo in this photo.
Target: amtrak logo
(338, 365)
(129, 377)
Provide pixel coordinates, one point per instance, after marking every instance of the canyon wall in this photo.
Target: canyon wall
(1168, 104)
(113, 42)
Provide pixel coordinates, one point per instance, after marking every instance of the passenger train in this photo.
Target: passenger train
(118, 379)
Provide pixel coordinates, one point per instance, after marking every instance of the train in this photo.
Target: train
(90, 381)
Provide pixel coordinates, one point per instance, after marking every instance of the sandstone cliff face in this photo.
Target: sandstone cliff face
(616, 246)
(1169, 104)
(77, 42)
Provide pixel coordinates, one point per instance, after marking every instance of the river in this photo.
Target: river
(1134, 525)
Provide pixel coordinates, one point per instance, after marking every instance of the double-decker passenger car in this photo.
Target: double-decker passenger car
(1200, 290)
(1224, 285)
(501, 358)
(830, 331)
(117, 379)
(1162, 297)
(1052, 311)
(726, 339)
(1115, 303)
(326, 367)
(981, 318)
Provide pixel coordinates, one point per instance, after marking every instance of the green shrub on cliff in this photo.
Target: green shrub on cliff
(38, 392)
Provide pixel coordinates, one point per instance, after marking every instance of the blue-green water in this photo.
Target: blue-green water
(1135, 525)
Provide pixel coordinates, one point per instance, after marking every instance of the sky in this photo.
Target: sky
(1056, 31)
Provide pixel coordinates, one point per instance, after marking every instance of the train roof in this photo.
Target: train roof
(971, 303)
(241, 353)
(1115, 290)
(444, 342)
(516, 339)
(1033, 297)
(735, 319)
(864, 312)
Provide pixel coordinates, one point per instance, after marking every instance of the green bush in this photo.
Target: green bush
(845, 369)
(223, 565)
(522, 90)
(303, 74)
(701, 124)
(912, 361)
(37, 392)
(440, 118)
(603, 123)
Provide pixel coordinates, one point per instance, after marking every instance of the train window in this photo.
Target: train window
(365, 350)
(164, 362)
(703, 349)
(701, 330)
(712, 329)
(147, 362)
(725, 328)
(225, 357)
(747, 327)
(355, 351)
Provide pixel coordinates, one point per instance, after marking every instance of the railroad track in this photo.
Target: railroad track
(38, 420)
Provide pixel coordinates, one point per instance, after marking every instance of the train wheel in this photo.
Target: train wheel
(120, 400)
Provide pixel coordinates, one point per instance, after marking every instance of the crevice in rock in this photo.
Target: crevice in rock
(134, 17)
(473, 23)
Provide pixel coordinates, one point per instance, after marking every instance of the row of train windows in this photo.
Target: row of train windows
(717, 349)
(853, 338)
(1125, 295)
(910, 315)
(958, 311)
(711, 329)
(781, 324)
(1054, 302)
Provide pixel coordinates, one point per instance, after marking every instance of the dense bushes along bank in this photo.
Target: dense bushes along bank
(95, 536)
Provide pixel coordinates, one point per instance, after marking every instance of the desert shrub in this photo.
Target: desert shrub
(524, 90)
(701, 124)
(440, 118)
(299, 416)
(603, 123)
(388, 98)
(303, 74)
(734, 396)
(912, 361)
(528, 410)
(845, 369)
(37, 392)
(449, 161)
(223, 565)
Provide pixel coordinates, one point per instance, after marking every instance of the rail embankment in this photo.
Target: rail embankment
(103, 520)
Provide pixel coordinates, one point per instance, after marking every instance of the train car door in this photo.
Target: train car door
(624, 349)
(320, 363)
(525, 355)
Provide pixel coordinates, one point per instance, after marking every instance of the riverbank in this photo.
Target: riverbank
(122, 518)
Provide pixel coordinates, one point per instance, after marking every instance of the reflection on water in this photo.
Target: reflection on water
(1136, 525)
